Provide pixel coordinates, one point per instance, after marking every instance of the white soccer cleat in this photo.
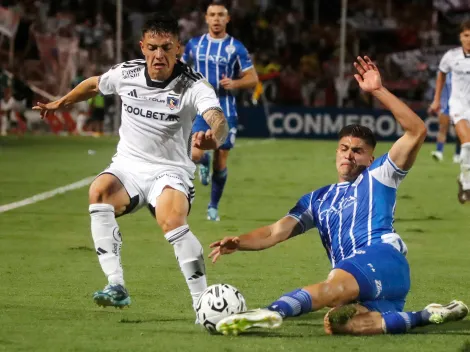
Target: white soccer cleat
(456, 159)
(259, 318)
(437, 155)
(455, 310)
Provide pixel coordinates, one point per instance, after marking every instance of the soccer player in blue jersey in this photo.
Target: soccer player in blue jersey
(225, 63)
(444, 122)
(370, 276)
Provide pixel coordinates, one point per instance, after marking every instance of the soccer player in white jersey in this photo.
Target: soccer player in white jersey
(457, 62)
(225, 63)
(370, 276)
(152, 166)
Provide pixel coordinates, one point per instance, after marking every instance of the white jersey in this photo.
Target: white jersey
(157, 117)
(457, 62)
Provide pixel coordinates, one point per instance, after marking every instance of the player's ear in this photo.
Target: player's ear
(141, 44)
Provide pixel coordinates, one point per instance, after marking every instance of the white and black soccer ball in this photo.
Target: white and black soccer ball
(217, 302)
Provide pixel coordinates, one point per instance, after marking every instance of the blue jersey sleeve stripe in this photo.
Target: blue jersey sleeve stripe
(397, 169)
(246, 69)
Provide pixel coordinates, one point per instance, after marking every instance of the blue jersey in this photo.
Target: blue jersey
(351, 216)
(215, 59)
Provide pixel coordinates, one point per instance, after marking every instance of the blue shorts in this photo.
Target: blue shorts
(200, 125)
(383, 275)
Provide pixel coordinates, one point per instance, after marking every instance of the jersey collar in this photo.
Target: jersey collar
(216, 40)
(177, 70)
(465, 55)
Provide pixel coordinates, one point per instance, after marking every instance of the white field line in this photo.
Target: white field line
(46, 195)
(85, 182)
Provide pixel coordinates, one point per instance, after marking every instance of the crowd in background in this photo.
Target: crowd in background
(294, 44)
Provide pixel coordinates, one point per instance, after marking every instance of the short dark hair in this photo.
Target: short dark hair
(359, 131)
(161, 23)
(465, 26)
(218, 3)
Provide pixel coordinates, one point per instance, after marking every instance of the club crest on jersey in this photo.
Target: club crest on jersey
(172, 102)
(230, 49)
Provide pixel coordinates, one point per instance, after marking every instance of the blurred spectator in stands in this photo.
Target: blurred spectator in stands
(81, 109)
(97, 112)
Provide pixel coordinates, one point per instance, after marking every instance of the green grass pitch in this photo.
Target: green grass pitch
(49, 270)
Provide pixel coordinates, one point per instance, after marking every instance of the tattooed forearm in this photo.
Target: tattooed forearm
(216, 119)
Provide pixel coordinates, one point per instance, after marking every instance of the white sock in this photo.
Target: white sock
(189, 253)
(108, 241)
(465, 165)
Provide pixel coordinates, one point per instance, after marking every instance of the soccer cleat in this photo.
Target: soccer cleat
(259, 318)
(213, 214)
(204, 171)
(463, 195)
(456, 159)
(455, 310)
(112, 296)
(437, 155)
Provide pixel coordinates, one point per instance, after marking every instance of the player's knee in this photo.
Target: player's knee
(336, 294)
(96, 194)
(171, 222)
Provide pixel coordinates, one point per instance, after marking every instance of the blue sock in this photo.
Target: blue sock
(440, 147)
(401, 322)
(218, 183)
(457, 148)
(204, 160)
(293, 304)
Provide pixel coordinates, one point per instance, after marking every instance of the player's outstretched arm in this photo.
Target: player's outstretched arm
(404, 151)
(435, 106)
(257, 240)
(216, 136)
(84, 91)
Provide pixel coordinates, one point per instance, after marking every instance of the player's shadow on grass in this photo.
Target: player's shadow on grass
(453, 328)
(151, 320)
(424, 218)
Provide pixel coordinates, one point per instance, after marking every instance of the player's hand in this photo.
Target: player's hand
(435, 107)
(227, 83)
(369, 77)
(46, 108)
(226, 246)
(205, 140)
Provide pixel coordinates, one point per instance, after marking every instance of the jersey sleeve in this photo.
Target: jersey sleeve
(302, 212)
(203, 97)
(244, 59)
(444, 65)
(186, 57)
(108, 81)
(385, 171)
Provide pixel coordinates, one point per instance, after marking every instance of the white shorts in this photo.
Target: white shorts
(145, 182)
(459, 112)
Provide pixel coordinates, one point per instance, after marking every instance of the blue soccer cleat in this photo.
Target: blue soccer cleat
(213, 214)
(204, 171)
(112, 296)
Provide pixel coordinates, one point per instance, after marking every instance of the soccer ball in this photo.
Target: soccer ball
(217, 302)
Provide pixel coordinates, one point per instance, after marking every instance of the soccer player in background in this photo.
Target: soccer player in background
(444, 122)
(370, 279)
(225, 63)
(152, 167)
(457, 62)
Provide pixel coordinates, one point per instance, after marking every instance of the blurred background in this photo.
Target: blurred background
(303, 60)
